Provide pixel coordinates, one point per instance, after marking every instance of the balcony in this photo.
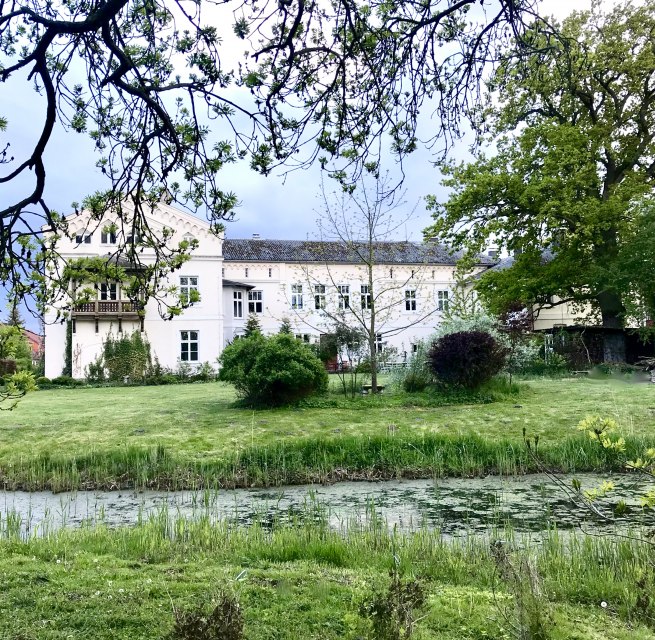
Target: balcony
(116, 308)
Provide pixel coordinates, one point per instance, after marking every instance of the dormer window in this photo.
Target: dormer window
(108, 237)
(83, 238)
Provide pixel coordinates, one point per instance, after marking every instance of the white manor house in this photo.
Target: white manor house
(309, 283)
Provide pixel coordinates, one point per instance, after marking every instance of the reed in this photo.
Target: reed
(309, 460)
(120, 583)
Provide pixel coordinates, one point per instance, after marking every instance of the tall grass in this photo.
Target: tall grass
(310, 460)
(575, 568)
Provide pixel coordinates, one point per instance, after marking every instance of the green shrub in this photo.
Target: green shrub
(416, 376)
(272, 370)
(43, 380)
(126, 356)
(466, 359)
(66, 381)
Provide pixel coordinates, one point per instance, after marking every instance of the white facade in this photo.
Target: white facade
(197, 334)
(410, 299)
(276, 280)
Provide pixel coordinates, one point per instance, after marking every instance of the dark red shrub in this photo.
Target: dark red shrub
(466, 359)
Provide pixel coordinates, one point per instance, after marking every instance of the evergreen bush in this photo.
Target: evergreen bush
(272, 370)
(466, 359)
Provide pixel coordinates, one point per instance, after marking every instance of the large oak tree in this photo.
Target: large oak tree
(573, 124)
(168, 104)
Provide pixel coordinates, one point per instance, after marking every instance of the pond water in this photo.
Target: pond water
(454, 506)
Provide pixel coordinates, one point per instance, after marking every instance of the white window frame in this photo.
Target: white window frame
(319, 296)
(189, 338)
(108, 237)
(256, 301)
(296, 296)
(83, 239)
(410, 300)
(379, 344)
(442, 300)
(344, 296)
(237, 299)
(188, 284)
(108, 291)
(304, 337)
(365, 295)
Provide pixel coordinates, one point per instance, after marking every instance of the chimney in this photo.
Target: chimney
(255, 236)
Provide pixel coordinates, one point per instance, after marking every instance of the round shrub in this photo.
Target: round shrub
(466, 359)
(272, 370)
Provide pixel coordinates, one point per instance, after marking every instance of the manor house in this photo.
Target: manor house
(310, 284)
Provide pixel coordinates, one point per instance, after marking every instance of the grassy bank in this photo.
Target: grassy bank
(194, 436)
(310, 582)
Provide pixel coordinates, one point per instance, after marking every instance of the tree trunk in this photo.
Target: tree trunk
(612, 312)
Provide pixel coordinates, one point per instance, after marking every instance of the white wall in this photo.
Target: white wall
(400, 328)
(205, 316)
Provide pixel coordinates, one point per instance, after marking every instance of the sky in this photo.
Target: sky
(276, 207)
(279, 206)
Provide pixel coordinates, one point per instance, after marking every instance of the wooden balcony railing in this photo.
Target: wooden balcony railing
(106, 307)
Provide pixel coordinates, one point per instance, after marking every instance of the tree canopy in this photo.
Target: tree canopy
(167, 103)
(573, 124)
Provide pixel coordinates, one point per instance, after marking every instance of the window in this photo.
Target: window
(319, 296)
(238, 304)
(344, 296)
(245, 271)
(255, 302)
(108, 291)
(108, 237)
(296, 296)
(223, 272)
(442, 300)
(379, 345)
(143, 325)
(415, 348)
(366, 297)
(270, 273)
(86, 239)
(120, 325)
(189, 284)
(97, 327)
(303, 337)
(413, 273)
(73, 326)
(410, 299)
(391, 272)
(189, 346)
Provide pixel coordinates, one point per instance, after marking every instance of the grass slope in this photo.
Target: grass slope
(195, 435)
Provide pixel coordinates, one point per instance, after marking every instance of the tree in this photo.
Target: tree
(361, 221)
(14, 346)
(152, 83)
(574, 127)
(13, 316)
(253, 325)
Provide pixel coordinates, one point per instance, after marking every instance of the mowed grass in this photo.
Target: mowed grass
(185, 435)
(309, 582)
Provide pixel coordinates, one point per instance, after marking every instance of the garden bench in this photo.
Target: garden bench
(367, 388)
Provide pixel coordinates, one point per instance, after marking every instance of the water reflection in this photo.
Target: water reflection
(455, 506)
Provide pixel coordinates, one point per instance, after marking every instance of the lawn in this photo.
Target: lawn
(146, 435)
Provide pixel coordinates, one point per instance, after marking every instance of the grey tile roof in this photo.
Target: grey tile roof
(256, 250)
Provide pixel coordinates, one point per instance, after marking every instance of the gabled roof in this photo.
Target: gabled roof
(256, 250)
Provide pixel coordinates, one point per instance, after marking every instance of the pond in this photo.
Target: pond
(454, 506)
